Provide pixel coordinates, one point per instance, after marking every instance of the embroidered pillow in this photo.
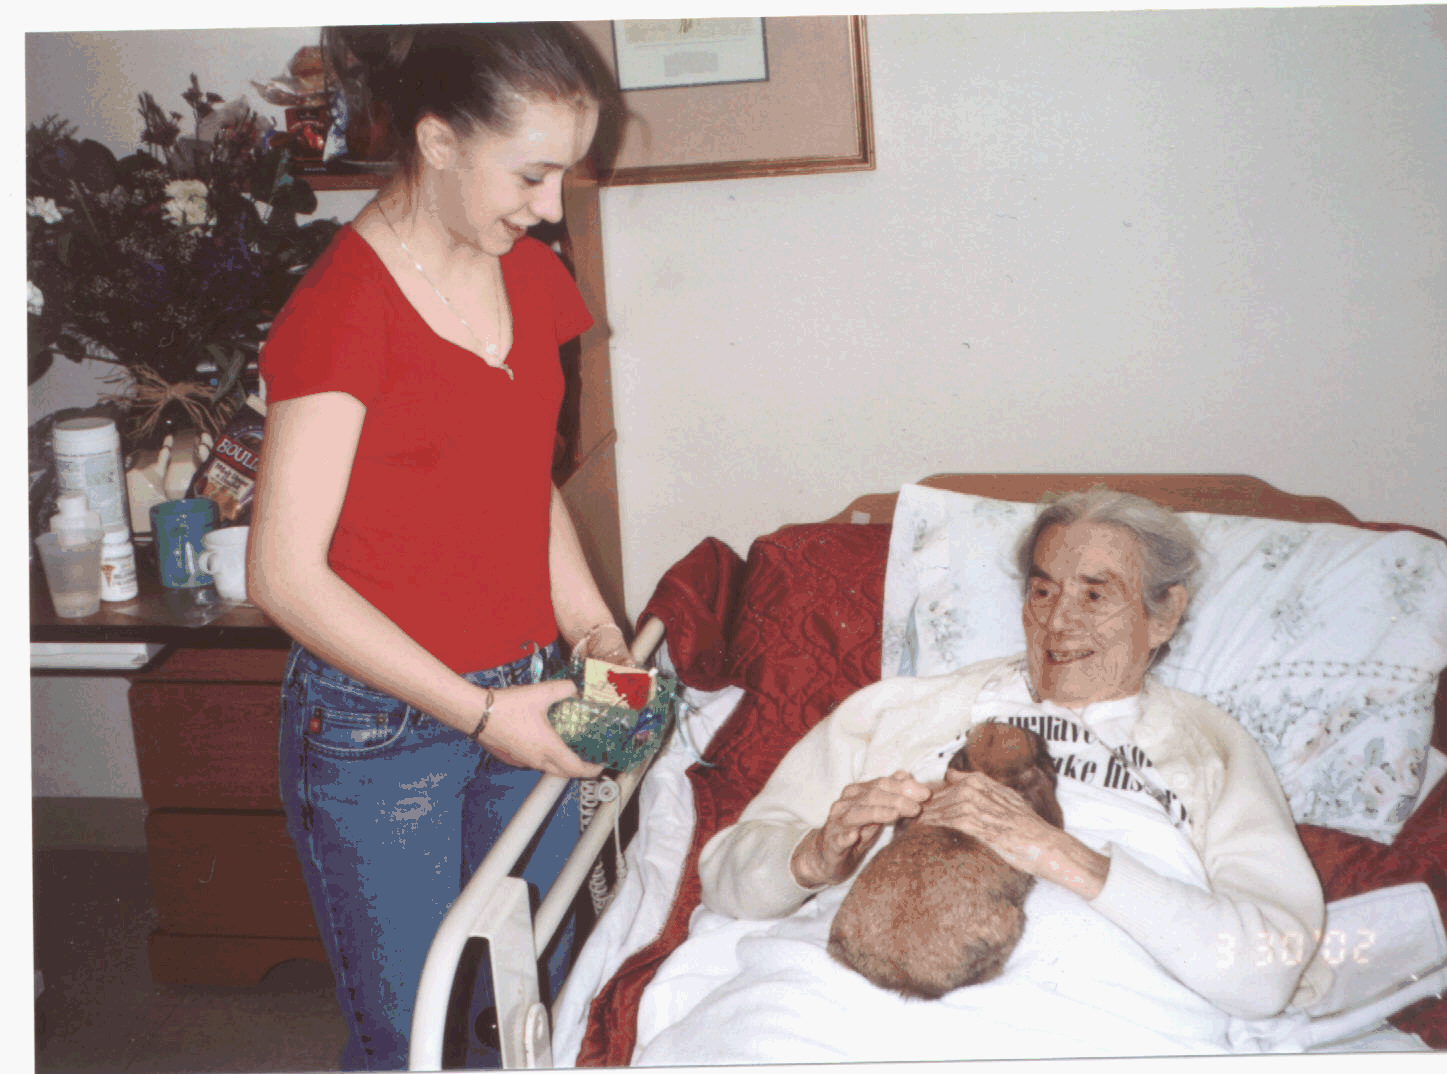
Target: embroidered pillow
(1324, 641)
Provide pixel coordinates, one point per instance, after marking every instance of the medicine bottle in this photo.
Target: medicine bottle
(88, 460)
(74, 522)
(118, 567)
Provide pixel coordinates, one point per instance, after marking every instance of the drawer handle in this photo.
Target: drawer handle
(213, 873)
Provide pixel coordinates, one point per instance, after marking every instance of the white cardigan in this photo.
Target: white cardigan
(1225, 944)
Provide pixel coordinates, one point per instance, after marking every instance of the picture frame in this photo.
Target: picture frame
(665, 53)
(812, 115)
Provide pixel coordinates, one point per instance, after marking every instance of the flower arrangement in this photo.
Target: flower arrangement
(174, 257)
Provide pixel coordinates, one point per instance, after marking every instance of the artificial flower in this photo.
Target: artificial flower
(186, 203)
(44, 208)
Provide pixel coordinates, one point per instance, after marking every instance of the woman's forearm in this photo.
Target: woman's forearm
(1062, 860)
(335, 622)
(342, 627)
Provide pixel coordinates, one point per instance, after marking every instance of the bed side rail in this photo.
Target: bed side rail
(495, 906)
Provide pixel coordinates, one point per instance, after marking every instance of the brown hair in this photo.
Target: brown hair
(468, 75)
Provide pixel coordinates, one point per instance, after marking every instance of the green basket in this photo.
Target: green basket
(615, 736)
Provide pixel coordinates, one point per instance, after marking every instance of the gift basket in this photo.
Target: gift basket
(621, 715)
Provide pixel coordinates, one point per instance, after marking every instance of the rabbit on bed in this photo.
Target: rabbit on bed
(935, 909)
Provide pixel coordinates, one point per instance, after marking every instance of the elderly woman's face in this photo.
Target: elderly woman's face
(1088, 636)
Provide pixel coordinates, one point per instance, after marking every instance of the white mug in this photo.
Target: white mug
(223, 557)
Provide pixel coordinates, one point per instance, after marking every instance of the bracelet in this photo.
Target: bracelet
(486, 712)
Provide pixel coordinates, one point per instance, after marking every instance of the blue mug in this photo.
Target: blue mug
(180, 526)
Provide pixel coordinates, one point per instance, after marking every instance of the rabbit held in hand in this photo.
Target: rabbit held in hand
(936, 909)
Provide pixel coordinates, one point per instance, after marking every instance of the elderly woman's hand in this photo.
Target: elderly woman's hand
(830, 854)
(973, 803)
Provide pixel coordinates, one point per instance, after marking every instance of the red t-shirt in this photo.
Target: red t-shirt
(445, 523)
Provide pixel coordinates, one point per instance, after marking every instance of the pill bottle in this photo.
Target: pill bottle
(88, 460)
(118, 567)
(74, 522)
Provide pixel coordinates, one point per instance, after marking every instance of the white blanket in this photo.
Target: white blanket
(1076, 986)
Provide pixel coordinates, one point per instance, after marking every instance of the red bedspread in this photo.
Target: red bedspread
(798, 628)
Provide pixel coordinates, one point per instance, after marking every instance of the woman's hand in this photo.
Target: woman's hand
(975, 804)
(604, 642)
(519, 733)
(830, 854)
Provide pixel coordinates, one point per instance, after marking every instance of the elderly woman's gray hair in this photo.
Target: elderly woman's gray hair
(1170, 554)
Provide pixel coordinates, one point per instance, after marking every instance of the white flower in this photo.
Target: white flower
(187, 204)
(44, 208)
(34, 300)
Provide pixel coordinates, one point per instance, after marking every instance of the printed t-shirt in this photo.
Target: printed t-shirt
(446, 518)
(1091, 745)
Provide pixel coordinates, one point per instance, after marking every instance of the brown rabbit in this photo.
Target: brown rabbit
(936, 909)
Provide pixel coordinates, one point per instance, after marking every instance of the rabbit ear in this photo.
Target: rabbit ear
(1042, 753)
(1037, 786)
(960, 762)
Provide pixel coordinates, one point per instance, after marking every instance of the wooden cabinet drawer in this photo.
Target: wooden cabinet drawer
(221, 665)
(226, 874)
(207, 745)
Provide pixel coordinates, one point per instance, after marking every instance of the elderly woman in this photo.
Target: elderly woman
(1107, 578)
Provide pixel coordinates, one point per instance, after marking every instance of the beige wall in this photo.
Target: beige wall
(1179, 241)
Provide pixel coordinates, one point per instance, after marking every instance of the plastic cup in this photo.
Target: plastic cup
(73, 574)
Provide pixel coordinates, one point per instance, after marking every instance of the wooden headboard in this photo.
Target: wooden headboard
(1222, 494)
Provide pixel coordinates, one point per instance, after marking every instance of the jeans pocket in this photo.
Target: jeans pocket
(351, 720)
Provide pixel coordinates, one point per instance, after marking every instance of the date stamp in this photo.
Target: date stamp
(1290, 948)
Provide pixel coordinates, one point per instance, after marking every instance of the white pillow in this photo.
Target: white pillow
(1324, 641)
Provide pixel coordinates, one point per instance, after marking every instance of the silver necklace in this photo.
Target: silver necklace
(489, 350)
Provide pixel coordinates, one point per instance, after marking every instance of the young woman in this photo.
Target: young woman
(406, 532)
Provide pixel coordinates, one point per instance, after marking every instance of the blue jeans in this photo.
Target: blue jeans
(391, 812)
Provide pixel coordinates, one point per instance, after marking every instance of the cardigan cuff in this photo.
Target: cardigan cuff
(1129, 887)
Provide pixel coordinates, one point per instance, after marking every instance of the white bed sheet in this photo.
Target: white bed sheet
(653, 862)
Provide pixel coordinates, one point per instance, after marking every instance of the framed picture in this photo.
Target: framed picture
(811, 114)
(659, 53)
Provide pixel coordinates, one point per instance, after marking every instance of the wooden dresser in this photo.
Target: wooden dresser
(227, 884)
